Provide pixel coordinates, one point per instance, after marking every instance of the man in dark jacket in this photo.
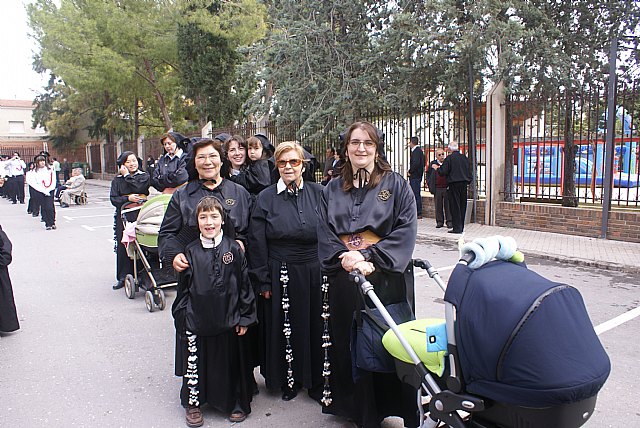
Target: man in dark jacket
(416, 170)
(458, 173)
(438, 188)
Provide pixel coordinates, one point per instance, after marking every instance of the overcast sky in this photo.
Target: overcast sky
(17, 78)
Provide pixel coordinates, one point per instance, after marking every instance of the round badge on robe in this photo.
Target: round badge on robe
(355, 240)
(227, 257)
(384, 195)
(230, 202)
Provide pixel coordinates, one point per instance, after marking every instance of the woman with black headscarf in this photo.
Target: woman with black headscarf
(130, 185)
(367, 222)
(171, 170)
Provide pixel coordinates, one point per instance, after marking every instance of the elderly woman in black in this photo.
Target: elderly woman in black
(367, 222)
(130, 185)
(285, 271)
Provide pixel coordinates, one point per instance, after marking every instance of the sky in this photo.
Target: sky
(18, 81)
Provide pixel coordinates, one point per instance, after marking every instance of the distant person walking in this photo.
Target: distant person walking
(416, 170)
(458, 173)
(438, 188)
(66, 169)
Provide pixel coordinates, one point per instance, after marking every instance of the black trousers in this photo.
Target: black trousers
(443, 213)
(457, 194)
(16, 188)
(34, 202)
(47, 209)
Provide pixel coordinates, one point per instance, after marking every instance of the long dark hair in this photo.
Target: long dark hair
(380, 166)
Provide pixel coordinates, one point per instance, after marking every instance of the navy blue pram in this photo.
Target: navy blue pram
(522, 351)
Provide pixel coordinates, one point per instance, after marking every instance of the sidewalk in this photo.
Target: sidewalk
(578, 250)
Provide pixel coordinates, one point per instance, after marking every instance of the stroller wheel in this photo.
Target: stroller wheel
(129, 286)
(148, 301)
(161, 300)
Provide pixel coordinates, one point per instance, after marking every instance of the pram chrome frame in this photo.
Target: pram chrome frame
(154, 296)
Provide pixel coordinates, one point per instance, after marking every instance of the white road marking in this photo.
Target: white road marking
(93, 228)
(615, 322)
(70, 218)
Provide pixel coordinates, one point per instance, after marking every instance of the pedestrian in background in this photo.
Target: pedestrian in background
(438, 188)
(66, 169)
(416, 171)
(8, 316)
(56, 168)
(43, 181)
(457, 171)
(16, 169)
(171, 170)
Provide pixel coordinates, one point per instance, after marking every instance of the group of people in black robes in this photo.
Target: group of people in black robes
(292, 242)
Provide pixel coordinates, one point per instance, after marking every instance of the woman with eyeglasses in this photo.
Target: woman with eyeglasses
(285, 272)
(367, 222)
(180, 227)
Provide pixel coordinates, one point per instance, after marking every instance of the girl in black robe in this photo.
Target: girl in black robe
(213, 309)
(8, 316)
(367, 222)
(130, 185)
(283, 244)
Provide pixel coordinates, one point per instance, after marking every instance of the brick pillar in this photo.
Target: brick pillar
(496, 118)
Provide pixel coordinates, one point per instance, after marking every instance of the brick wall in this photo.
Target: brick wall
(623, 225)
(429, 208)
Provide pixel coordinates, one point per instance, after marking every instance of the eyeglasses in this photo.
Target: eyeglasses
(293, 162)
(367, 143)
(211, 157)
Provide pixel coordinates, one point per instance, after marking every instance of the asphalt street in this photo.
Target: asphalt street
(87, 356)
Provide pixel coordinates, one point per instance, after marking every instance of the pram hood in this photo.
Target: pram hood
(150, 218)
(523, 339)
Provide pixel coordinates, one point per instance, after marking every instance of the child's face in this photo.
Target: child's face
(209, 223)
(255, 152)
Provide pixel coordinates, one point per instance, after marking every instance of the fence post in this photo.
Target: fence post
(607, 183)
(495, 150)
(103, 159)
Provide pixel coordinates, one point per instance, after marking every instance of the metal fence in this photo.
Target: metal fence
(541, 129)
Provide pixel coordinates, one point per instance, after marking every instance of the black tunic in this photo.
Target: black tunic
(214, 296)
(255, 177)
(170, 172)
(121, 187)
(180, 225)
(389, 211)
(8, 315)
(283, 231)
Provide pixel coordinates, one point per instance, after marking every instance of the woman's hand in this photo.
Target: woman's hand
(350, 258)
(135, 198)
(366, 268)
(266, 294)
(241, 330)
(180, 262)
(123, 170)
(241, 244)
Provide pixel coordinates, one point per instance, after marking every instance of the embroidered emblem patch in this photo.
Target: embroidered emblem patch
(230, 202)
(227, 257)
(355, 240)
(384, 195)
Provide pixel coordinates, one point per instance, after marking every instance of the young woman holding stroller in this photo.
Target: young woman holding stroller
(367, 222)
(130, 185)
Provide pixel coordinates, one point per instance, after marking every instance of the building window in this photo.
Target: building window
(16, 127)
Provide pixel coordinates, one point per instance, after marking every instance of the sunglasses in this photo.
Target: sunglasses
(293, 162)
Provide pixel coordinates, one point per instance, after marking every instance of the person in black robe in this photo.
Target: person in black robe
(8, 316)
(171, 170)
(179, 226)
(130, 185)
(214, 306)
(284, 268)
(367, 222)
(254, 175)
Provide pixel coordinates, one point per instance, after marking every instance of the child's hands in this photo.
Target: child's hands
(180, 262)
(241, 330)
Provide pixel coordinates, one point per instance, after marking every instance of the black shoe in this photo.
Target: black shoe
(289, 394)
(454, 231)
(438, 226)
(118, 285)
(35, 215)
(63, 205)
(449, 225)
(14, 202)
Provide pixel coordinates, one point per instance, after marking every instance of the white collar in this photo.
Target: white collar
(211, 243)
(135, 173)
(177, 153)
(281, 187)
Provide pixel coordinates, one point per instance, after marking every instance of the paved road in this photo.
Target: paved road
(87, 356)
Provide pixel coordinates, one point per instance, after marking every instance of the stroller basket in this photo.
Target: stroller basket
(522, 352)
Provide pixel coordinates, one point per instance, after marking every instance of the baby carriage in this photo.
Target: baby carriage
(515, 350)
(143, 248)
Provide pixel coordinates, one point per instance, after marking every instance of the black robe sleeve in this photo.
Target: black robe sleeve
(257, 241)
(246, 297)
(116, 196)
(5, 250)
(329, 244)
(255, 177)
(169, 245)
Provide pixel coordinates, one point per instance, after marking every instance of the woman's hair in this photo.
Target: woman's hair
(289, 145)
(123, 157)
(380, 165)
(169, 136)
(216, 144)
(238, 139)
(38, 159)
(254, 142)
(209, 203)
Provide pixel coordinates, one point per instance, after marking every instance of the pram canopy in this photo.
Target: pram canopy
(149, 220)
(523, 339)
